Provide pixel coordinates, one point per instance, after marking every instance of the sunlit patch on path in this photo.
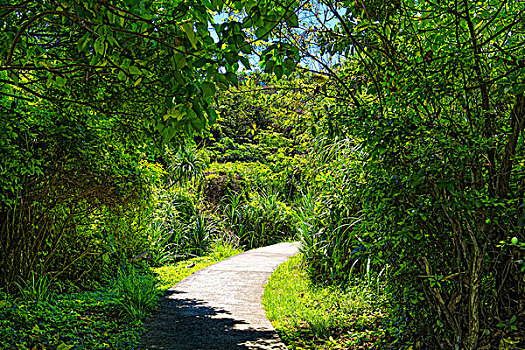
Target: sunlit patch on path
(219, 307)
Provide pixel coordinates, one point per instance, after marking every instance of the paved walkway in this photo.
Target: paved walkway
(219, 307)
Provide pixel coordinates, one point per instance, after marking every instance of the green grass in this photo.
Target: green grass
(108, 318)
(169, 275)
(313, 317)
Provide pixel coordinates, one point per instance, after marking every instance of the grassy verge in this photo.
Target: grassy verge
(108, 318)
(169, 275)
(312, 317)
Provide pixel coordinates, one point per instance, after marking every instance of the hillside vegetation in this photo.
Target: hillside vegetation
(386, 136)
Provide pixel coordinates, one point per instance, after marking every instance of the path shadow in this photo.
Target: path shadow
(189, 324)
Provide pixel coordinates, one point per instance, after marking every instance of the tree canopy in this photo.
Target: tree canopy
(417, 133)
(152, 65)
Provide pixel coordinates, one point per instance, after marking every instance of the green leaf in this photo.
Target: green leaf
(95, 59)
(121, 75)
(197, 123)
(180, 60)
(135, 70)
(97, 46)
(248, 5)
(218, 5)
(179, 113)
(246, 48)
(220, 78)
(187, 28)
(82, 42)
(200, 63)
(60, 81)
(231, 57)
(13, 77)
(64, 347)
(289, 64)
(169, 132)
(245, 62)
(278, 70)
(269, 26)
(126, 63)
(232, 77)
(293, 21)
(242, 44)
(268, 68)
(261, 33)
(208, 89)
(212, 114)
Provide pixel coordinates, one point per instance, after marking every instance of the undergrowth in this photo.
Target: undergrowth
(312, 317)
(110, 317)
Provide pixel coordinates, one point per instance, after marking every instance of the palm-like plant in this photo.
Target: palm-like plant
(188, 164)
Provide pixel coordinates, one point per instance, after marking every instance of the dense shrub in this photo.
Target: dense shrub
(258, 219)
(177, 228)
(72, 196)
(215, 186)
(329, 212)
(440, 115)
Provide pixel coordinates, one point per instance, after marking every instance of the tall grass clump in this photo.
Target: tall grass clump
(179, 228)
(136, 292)
(36, 288)
(328, 214)
(258, 218)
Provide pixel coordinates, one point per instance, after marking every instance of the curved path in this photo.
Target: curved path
(219, 307)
